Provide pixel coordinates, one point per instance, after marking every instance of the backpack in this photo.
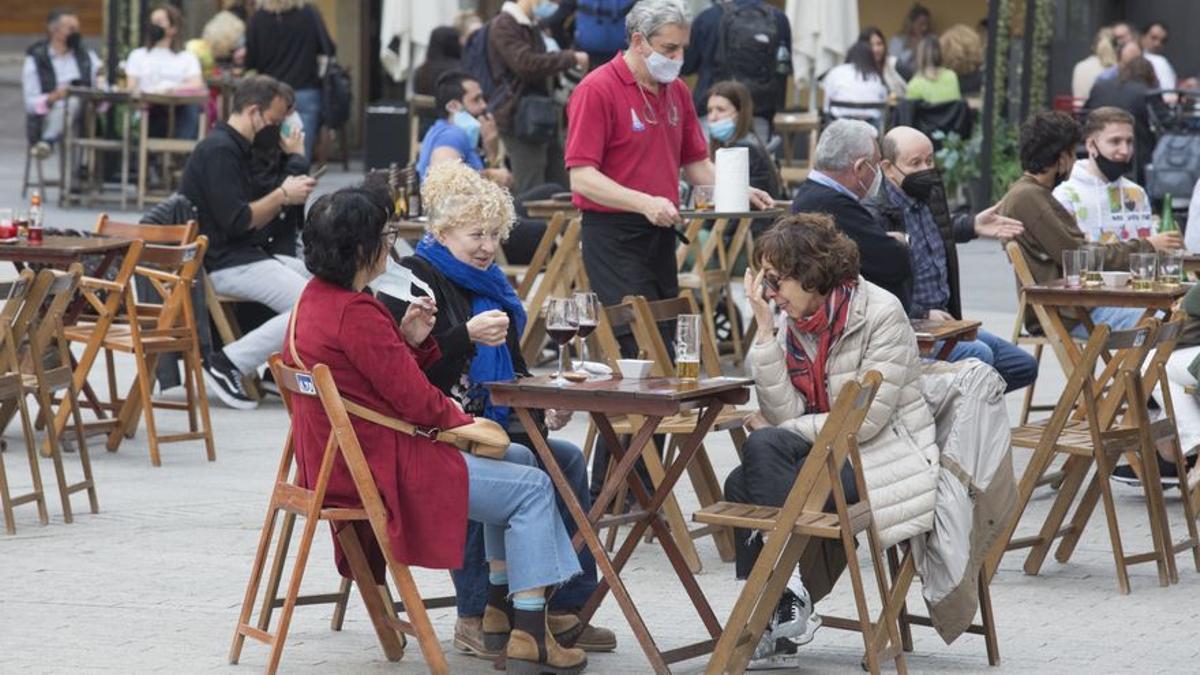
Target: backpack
(336, 87)
(475, 63)
(1175, 167)
(748, 43)
(600, 25)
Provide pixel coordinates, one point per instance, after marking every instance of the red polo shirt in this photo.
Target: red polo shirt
(629, 138)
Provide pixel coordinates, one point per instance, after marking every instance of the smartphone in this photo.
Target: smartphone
(319, 172)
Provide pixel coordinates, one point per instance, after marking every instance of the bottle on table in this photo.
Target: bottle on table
(1167, 223)
(33, 230)
(399, 199)
(412, 187)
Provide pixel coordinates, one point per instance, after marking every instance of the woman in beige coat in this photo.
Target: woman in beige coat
(833, 327)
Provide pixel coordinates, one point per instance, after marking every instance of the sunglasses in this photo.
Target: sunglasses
(771, 282)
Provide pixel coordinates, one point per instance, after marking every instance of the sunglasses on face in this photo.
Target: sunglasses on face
(771, 282)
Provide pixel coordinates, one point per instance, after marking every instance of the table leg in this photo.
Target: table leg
(947, 347)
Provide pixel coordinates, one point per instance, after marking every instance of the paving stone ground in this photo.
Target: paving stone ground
(154, 581)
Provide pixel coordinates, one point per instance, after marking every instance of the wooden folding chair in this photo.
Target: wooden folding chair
(541, 256)
(153, 329)
(53, 374)
(788, 529)
(1087, 437)
(12, 395)
(298, 500)
(564, 273)
(710, 277)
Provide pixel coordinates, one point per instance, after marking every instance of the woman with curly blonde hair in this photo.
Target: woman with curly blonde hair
(478, 330)
(962, 52)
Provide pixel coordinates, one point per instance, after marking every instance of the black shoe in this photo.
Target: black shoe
(1166, 470)
(223, 377)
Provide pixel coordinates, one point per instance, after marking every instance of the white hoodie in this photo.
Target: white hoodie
(1120, 207)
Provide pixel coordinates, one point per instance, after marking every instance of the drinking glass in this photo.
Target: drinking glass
(1170, 269)
(1092, 277)
(1074, 264)
(587, 305)
(702, 197)
(687, 347)
(7, 229)
(1143, 267)
(562, 321)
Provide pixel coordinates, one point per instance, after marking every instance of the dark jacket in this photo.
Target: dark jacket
(40, 53)
(884, 261)
(269, 166)
(956, 228)
(518, 56)
(285, 45)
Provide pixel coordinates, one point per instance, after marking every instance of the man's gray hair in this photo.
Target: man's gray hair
(843, 143)
(650, 16)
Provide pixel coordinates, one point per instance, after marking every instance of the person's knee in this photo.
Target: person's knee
(519, 454)
(975, 349)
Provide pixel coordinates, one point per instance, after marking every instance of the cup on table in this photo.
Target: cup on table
(1170, 269)
(702, 197)
(687, 347)
(1092, 276)
(1075, 263)
(1143, 267)
(7, 229)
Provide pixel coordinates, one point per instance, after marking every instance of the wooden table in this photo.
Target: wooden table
(653, 399)
(949, 333)
(88, 144)
(545, 208)
(165, 146)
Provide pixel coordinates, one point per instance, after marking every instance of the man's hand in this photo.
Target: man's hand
(761, 201)
(756, 421)
(489, 134)
(296, 189)
(1166, 241)
(57, 95)
(939, 315)
(293, 143)
(660, 211)
(418, 320)
(488, 328)
(581, 61)
(759, 305)
(501, 177)
(992, 225)
(557, 419)
(901, 237)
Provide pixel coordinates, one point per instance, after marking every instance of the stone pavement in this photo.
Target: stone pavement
(155, 580)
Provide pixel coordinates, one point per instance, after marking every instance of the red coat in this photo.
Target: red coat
(423, 484)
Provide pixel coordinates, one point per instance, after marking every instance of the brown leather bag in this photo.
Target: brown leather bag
(482, 437)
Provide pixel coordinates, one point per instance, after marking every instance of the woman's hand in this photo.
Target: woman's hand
(756, 421)
(759, 305)
(418, 321)
(488, 328)
(557, 419)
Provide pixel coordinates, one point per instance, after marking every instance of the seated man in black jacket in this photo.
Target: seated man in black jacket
(239, 220)
(846, 170)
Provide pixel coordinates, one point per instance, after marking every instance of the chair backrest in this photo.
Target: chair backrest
(541, 255)
(13, 293)
(46, 331)
(148, 232)
(171, 271)
(644, 317)
(1024, 278)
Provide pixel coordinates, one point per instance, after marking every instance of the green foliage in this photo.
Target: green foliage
(1043, 33)
(961, 159)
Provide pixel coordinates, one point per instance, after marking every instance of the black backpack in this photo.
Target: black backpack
(748, 51)
(475, 62)
(336, 87)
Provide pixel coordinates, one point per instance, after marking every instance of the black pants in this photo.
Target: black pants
(771, 460)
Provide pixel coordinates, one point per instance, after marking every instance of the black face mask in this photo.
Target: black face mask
(267, 138)
(156, 33)
(1111, 169)
(73, 40)
(919, 184)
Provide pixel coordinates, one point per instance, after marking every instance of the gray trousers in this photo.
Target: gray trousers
(534, 164)
(276, 283)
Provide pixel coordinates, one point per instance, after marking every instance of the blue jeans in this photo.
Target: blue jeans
(514, 500)
(308, 105)
(1017, 366)
(1118, 318)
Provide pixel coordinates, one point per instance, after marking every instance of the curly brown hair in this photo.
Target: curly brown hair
(809, 248)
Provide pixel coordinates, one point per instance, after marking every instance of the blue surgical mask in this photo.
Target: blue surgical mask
(544, 11)
(467, 122)
(722, 130)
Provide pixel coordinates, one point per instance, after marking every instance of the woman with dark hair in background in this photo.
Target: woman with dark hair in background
(443, 55)
(858, 80)
(731, 125)
(164, 67)
(885, 62)
(918, 25)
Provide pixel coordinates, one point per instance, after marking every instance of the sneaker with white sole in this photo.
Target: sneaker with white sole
(774, 654)
(223, 378)
(791, 615)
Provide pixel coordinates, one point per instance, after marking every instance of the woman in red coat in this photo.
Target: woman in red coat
(429, 488)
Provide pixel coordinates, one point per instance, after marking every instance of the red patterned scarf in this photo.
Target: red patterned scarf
(827, 324)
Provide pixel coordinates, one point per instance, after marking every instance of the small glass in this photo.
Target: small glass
(1170, 270)
(702, 197)
(562, 322)
(1092, 277)
(587, 305)
(1075, 262)
(7, 229)
(1143, 267)
(687, 347)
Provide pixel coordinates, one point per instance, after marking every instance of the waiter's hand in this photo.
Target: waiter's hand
(761, 201)
(660, 211)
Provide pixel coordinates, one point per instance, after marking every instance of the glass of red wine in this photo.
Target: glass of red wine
(562, 322)
(588, 307)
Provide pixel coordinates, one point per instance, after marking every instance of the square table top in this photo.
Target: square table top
(930, 331)
(1056, 293)
(616, 395)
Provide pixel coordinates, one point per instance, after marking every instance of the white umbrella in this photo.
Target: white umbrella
(404, 29)
(822, 32)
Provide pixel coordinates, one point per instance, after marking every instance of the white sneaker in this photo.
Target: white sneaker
(774, 653)
(791, 616)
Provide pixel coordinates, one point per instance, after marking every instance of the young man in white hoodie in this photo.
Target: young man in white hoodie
(1108, 206)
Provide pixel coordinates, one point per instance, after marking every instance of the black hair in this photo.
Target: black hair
(871, 31)
(443, 45)
(58, 13)
(1045, 136)
(261, 90)
(863, 58)
(449, 87)
(344, 233)
(1152, 24)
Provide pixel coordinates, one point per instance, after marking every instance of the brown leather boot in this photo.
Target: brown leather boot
(496, 627)
(533, 651)
(568, 631)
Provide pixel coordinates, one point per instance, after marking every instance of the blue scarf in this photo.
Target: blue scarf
(489, 289)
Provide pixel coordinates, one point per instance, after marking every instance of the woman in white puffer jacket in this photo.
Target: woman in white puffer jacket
(834, 327)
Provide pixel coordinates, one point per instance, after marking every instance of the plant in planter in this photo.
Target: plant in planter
(960, 159)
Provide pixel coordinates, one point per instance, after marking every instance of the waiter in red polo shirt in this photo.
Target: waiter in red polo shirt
(631, 127)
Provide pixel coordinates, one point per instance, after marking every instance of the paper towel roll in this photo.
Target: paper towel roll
(731, 194)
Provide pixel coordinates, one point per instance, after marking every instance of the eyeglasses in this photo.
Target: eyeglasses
(391, 234)
(771, 282)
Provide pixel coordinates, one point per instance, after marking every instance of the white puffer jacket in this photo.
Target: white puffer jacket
(897, 441)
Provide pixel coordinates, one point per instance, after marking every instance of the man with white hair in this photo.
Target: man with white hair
(846, 170)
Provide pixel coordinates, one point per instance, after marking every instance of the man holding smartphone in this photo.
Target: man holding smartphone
(241, 203)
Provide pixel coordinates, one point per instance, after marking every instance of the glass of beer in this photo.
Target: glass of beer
(1074, 263)
(1143, 267)
(687, 347)
(1170, 270)
(1092, 278)
(702, 197)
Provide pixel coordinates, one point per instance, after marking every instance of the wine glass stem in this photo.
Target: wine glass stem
(562, 360)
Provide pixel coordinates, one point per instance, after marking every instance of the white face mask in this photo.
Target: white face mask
(876, 184)
(664, 70)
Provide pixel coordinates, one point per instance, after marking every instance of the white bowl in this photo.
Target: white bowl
(1115, 279)
(635, 369)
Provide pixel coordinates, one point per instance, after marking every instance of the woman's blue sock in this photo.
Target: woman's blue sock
(536, 603)
(498, 578)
